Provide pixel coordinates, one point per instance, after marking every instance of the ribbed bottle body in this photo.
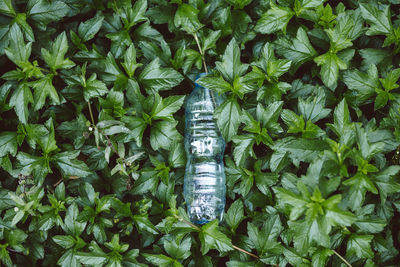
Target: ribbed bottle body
(204, 184)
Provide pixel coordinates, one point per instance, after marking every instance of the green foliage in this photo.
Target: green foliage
(91, 147)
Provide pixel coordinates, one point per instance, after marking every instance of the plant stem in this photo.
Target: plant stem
(190, 224)
(110, 144)
(94, 125)
(244, 251)
(91, 114)
(201, 52)
(13, 250)
(204, 64)
(72, 177)
(343, 259)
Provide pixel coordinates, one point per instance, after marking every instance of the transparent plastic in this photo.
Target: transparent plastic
(204, 185)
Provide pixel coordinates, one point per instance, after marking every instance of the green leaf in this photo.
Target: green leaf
(44, 88)
(39, 166)
(295, 122)
(15, 237)
(55, 57)
(144, 223)
(186, 17)
(386, 183)
(379, 20)
(129, 63)
(191, 57)
(252, 125)
(47, 140)
(302, 235)
(368, 149)
(340, 217)
(113, 104)
(137, 13)
(270, 115)
(5, 200)
(71, 225)
(211, 237)
(232, 263)
(136, 127)
(20, 19)
(342, 122)
(389, 83)
(338, 38)
(88, 29)
(230, 67)
(243, 148)
(8, 143)
(359, 184)
(64, 241)
(147, 181)
(94, 88)
(264, 181)
(217, 84)
(74, 130)
(163, 134)
(243, 85)
(158, 260)
(18, 52)
(228, 118)
(164, 108)
(108, 67)
(18, 217)
(320, 257)
(275, 19)
(247, 181)
(360, 245)
(363, 84)
(69, 259)
(265, 240)
(235, 215)
(176, 156)
(298, 202)
(91, 258)
(69, 165)
(155, 78)
(129, 258)
(239, 4)
(4, 38)
(299, 50)
(313, 108)
(331, 64)
(178, 250)
(7, 8)
(372, 226)
(211, 40)
(277, 68)
(310, 3)
(300, 149)
(381, 99)
(44, 12)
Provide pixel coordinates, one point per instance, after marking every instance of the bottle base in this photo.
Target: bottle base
(205, 212)
(200, 222)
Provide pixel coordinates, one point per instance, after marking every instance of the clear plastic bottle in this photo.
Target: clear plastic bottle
(204, 185)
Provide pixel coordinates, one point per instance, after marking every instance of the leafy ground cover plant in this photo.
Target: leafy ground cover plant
(91, 152)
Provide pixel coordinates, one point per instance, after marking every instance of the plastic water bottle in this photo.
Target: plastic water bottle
(204, 185)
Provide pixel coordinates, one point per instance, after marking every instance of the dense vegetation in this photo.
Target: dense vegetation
(91, 152)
